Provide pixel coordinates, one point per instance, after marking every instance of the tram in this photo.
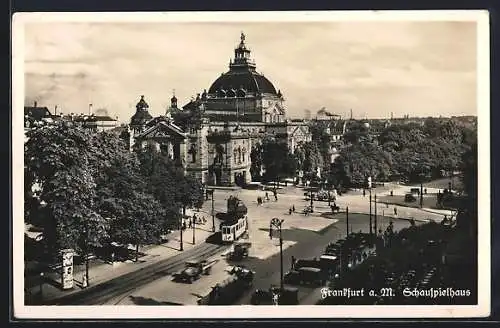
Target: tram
(232, 230)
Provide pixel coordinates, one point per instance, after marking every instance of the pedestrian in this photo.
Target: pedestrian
(425, 191)
(194, 219)
(364, 192)
(293, 208)
(184, 225)
(395, 210)
(267, 196)
(275, 195)
(392, 193)
(189, 223)
(293, 262)
(290, 211)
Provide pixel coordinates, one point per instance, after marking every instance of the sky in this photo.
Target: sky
(374, 68)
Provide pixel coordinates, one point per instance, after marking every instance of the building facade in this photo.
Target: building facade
(213, 135)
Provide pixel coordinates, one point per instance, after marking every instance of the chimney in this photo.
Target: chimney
(55, 110)
(90, 109)
(34, 103)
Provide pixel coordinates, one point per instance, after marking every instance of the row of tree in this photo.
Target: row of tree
(86, 190)
(412, 152)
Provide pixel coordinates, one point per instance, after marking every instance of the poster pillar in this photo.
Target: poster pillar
(67, 268)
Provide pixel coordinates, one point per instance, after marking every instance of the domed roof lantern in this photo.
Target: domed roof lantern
(173, 100)
(141, 115)
(142, 104)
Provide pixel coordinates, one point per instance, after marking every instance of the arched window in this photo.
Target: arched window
(192, 151)
(244, 152)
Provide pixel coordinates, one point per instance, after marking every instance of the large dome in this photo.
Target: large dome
(242, 76)
(248, 80)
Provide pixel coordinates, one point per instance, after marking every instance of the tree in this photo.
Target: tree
(277, 160)
(87, 182)
(469, 177)
(256, 162)
(140, 221)
(312, 158)
(66, 189)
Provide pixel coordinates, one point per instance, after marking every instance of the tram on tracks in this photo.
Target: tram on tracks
(232, 230)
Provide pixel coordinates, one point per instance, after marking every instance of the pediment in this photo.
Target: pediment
(163, 130)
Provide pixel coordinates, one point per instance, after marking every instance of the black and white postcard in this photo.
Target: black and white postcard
(251, 165)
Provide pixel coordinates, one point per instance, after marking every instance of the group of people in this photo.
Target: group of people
(260, 201)
(191, 221)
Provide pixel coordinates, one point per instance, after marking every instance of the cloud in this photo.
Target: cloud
(371, 67)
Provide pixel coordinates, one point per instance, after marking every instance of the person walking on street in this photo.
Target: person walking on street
(275, 195)
(395, 210)
(293, 262)
(189, 223)
(293, 208)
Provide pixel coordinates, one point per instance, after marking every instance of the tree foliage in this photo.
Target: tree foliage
(410, 151)
(86, 189)
(277, 160)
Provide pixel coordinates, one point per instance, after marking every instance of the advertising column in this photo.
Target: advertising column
(67, 268)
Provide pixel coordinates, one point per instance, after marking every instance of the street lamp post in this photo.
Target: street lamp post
(421, 194)
(194, 229)
(213, 214)
(181, 248)
(311, 199)
(370, 189)
(41, 287)
(85, 279)
(276, 223)
(375, 219)
(347, 219)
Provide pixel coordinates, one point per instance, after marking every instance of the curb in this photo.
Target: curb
(424, 209)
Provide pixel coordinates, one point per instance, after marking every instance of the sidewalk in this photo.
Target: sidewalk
(100, 271)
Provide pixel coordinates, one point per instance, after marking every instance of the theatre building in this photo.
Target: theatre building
(212, 136)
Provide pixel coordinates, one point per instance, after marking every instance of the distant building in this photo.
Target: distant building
(38, 116)
(35, 115)
(95, 123)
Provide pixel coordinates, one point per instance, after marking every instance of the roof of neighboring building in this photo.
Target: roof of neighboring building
(93, 118)
(37, 113)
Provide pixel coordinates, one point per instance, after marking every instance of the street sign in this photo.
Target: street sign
(67, 268)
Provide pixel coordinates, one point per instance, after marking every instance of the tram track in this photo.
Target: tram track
(116, 289)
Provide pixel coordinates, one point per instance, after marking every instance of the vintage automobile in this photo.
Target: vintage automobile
(194, 270)
(409, 198)
(229, 290)
(287, 296)
(239, 251)
(305, 276)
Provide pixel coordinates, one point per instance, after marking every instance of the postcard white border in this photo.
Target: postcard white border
(253, 312)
